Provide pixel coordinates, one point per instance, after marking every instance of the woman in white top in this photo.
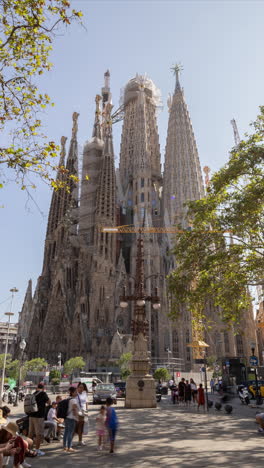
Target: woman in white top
(194, 390)
(82, 401)
(70, 421)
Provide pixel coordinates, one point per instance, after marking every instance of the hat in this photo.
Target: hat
(2, 420)
(12, 428)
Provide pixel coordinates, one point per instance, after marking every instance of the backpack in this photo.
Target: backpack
(113, 421)
(30, 403)
(62, 409)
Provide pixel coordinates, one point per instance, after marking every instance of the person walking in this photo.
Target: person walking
(212, 384)
(70, 420)
(100, 427)
(194, 391)
(188, 393)
(36, 419)
(111, 423)
(82, 401)
(181, 388)
(201, 399)
(174, 393)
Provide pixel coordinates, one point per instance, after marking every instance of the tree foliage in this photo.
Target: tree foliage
(27, 30)
(36, 365)
(223, 252)
(76, 363)
(161, 374)
(124, 365)
(8, 360)
(55, 376)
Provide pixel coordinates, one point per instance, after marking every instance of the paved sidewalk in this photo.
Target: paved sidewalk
(169, 436)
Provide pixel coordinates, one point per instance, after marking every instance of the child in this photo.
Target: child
(201, 399)
(111, 423)
(100, 427)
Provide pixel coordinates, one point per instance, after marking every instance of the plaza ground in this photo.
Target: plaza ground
(168, 436)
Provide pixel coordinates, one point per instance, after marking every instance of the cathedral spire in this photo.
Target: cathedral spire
(106, 193)
(56, 200)
(70, 196)
(182, 173)
(176, 69)
(97, 123)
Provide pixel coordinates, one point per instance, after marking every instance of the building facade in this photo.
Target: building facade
(75, 309)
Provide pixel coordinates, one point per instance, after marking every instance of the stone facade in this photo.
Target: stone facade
(75, 309)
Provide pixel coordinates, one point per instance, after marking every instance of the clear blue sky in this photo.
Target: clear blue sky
(220, 45)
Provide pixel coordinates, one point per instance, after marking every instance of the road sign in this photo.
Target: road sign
(227, 364)
(253, 361)
(178, 374)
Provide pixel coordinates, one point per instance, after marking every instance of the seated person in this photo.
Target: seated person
(260, 421)
(52, 417)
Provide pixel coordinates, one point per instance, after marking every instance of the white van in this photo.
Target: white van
(87, 380)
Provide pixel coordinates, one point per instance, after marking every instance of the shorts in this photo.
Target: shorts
(100, 432)
(260, 415)
(112, 434)
(36, 426)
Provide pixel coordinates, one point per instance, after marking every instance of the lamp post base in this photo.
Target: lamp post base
(140, 386)
(140, 392)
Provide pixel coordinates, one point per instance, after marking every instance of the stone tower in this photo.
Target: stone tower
(54, 301)
(141, 180)
(182, 171)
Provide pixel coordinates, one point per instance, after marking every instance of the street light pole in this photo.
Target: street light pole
(9, 315)
(140, 388)
(22, 347)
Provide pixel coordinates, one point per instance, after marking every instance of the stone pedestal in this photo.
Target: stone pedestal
(140, 386)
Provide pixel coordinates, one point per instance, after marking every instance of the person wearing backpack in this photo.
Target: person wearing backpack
(111, 422)
(68, 409)
(36, 411)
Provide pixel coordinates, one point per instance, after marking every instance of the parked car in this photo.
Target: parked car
(104, 391)
(88, 381)
(120, 389)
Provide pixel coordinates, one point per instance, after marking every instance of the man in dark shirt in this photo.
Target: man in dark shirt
(36, 420)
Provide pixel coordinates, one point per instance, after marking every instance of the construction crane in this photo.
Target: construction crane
(235, 130)
(130, 229)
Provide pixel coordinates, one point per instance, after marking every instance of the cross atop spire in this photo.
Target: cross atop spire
(176, 69)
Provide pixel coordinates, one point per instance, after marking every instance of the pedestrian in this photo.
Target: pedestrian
(52, 419)
(212, 384)
(201, 399)
(100, 427)
(170, 383)
(194, 390)
(9, 433)
(188, 393)
(94, 384)
(36, 419)
(182, 390)
(174, 393)
(82, 401)
(260, 421)
(111, 423)
(70, 420)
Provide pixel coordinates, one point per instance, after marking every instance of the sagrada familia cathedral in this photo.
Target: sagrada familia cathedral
(75, 309)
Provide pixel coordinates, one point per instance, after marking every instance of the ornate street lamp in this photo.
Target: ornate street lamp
(140, 388)
(9, 315)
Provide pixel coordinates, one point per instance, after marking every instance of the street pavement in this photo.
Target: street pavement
(168, 436)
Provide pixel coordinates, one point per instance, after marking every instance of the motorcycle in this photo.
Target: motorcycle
(243, 395)
(11, 397)
(21, 395)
